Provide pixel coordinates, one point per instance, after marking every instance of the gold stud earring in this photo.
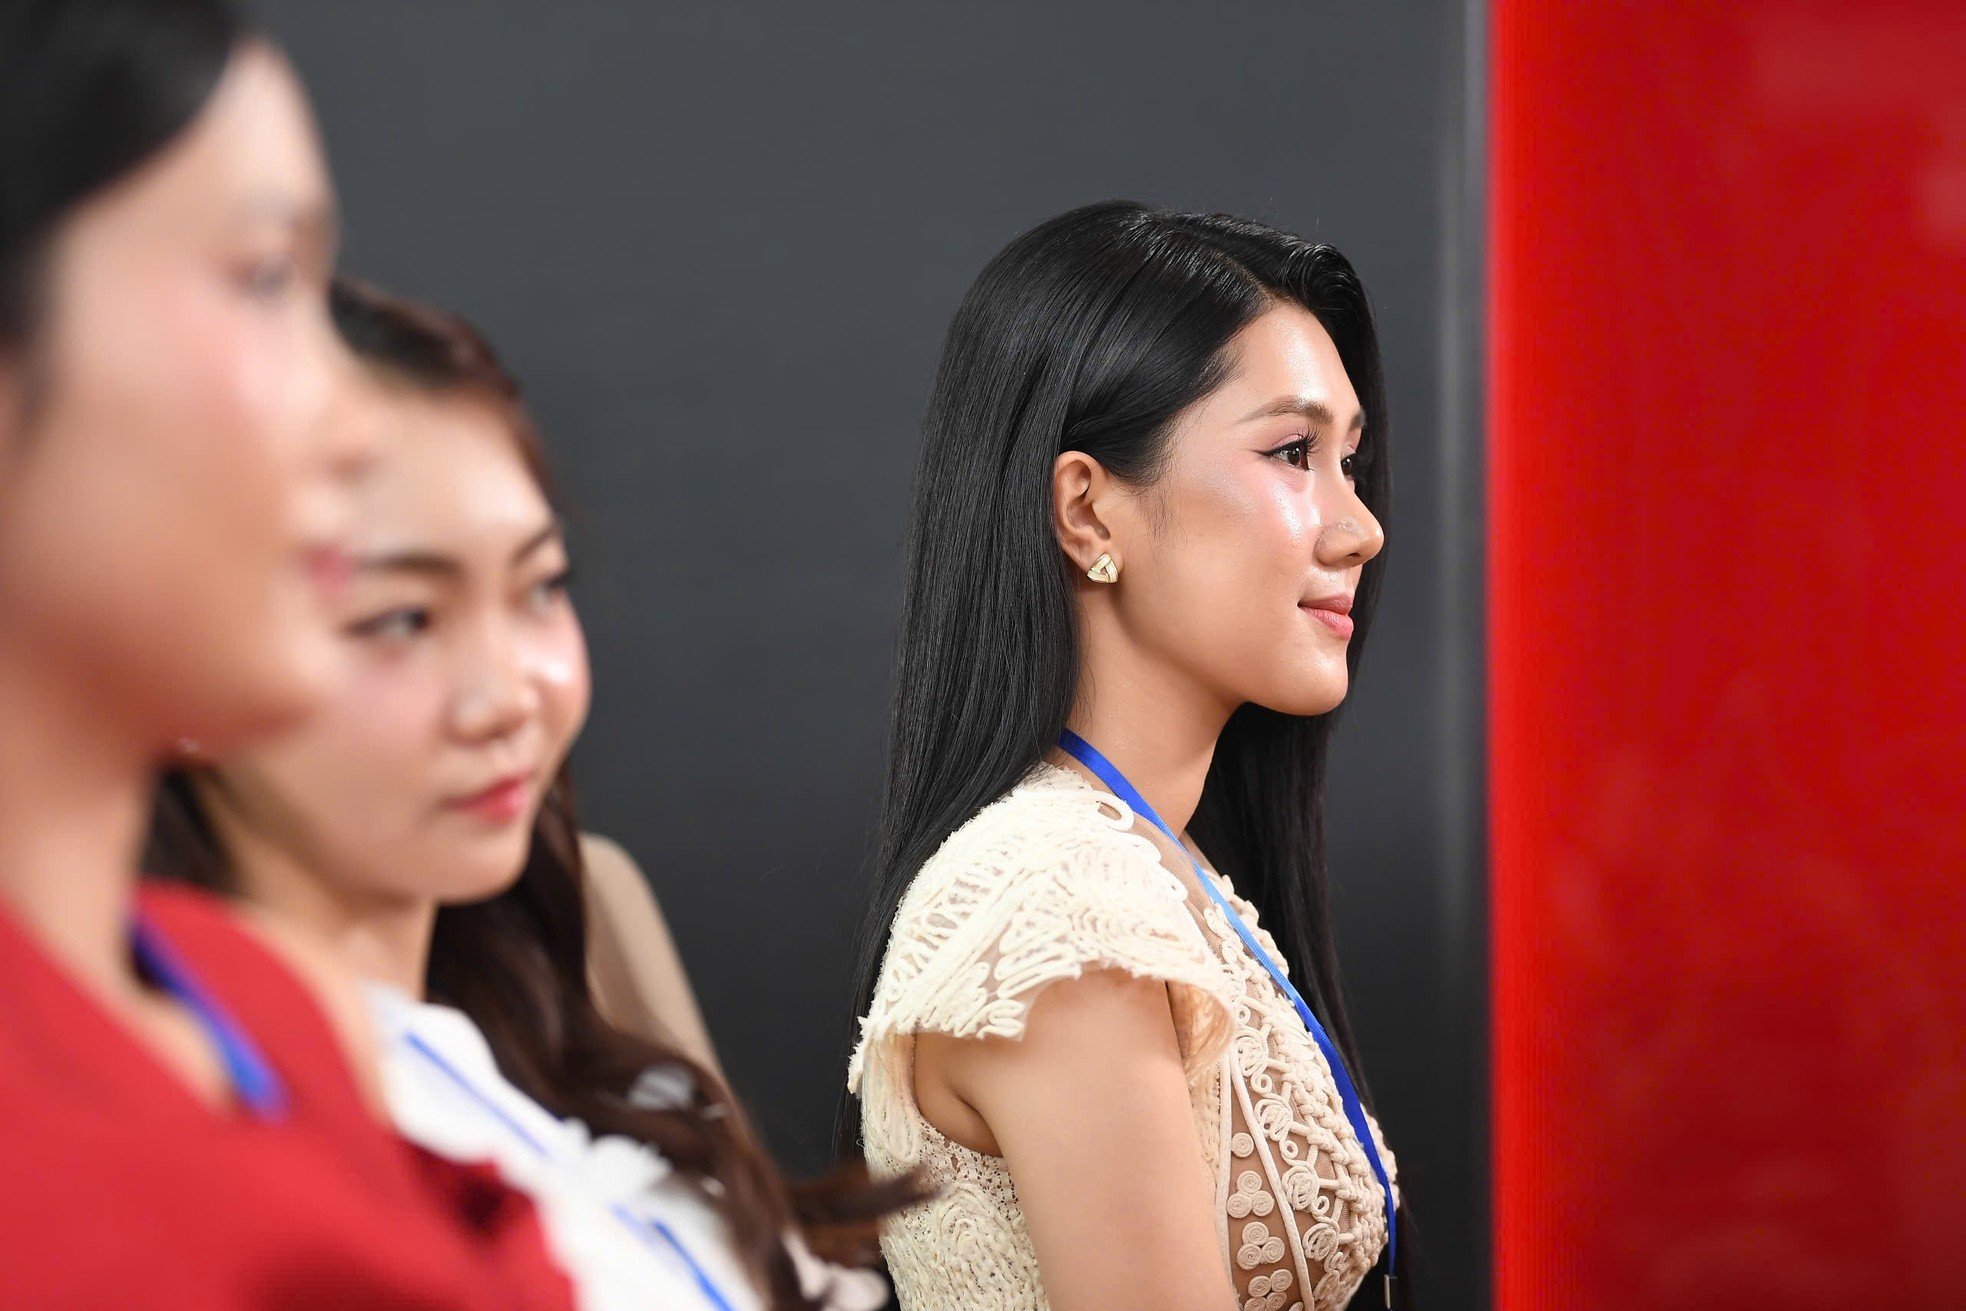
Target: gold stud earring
(1104, 570)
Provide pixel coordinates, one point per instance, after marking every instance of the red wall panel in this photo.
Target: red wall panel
(1728, 766)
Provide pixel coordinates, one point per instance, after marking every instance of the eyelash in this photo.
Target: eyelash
(388, 623)
(270, 279)
(553, 588)
(1351, 464)
(385, 624)
(1303, 446)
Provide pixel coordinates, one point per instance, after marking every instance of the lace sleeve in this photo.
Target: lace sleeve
(1044, 885)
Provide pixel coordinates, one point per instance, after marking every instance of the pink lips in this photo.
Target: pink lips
(501, 803)
(1334, 612)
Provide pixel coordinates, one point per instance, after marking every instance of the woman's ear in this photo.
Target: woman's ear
(1080, 490)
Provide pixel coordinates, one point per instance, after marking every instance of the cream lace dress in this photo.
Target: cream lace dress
(1047, 883)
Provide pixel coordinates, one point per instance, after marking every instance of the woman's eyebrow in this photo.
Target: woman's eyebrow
(421, 560)
(1314, 410)
(314, 219)
(411, 561)
(552, 532)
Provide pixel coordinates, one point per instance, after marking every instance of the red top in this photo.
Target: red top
(119, 1187)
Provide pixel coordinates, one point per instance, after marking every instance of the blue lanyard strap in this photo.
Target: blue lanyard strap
(1088, 755)
(254, 1081)
(646, 1228)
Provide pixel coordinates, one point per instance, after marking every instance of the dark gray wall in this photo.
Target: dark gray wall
(720, 244)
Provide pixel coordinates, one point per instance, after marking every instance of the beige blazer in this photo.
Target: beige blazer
(632, 962)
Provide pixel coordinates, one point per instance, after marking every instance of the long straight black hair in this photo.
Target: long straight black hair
(1091, 332)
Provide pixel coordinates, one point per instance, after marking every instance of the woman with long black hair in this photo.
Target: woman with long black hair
(422, 823)
(1100, 1002)
(187, 1111)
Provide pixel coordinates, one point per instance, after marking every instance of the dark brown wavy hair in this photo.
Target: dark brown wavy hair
(517, 963)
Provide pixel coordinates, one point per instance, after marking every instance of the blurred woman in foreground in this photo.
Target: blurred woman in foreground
(184, 1120)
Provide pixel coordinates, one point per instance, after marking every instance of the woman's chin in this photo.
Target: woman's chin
(475, 879)
(1307, 697)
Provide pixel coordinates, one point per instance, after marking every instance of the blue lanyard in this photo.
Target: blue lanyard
(1086, 754)
(254, 1081)
(646, 1228)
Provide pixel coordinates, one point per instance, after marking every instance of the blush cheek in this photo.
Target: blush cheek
(206, 418)
(1247, 541)
(1281, 533)
(358, 776)
(391, 716)
(559, 667)
(1291, 522)
(1292, 655)
(231, 386)
(263, 393)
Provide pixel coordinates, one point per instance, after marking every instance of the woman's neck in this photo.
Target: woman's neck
(1156, 725)
(74, 796)
(381, 936)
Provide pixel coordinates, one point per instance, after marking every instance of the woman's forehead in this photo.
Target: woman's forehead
(450, 471)
(1282, 362)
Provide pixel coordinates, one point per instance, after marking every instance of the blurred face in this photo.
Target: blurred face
(467, 675)
(173, 503)
(1238, 567)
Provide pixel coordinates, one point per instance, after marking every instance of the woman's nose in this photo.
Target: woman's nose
(1352, 538)
(497, 695)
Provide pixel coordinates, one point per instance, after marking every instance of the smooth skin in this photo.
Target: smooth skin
(1255, 517)
(466, 672)
(171, 488)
